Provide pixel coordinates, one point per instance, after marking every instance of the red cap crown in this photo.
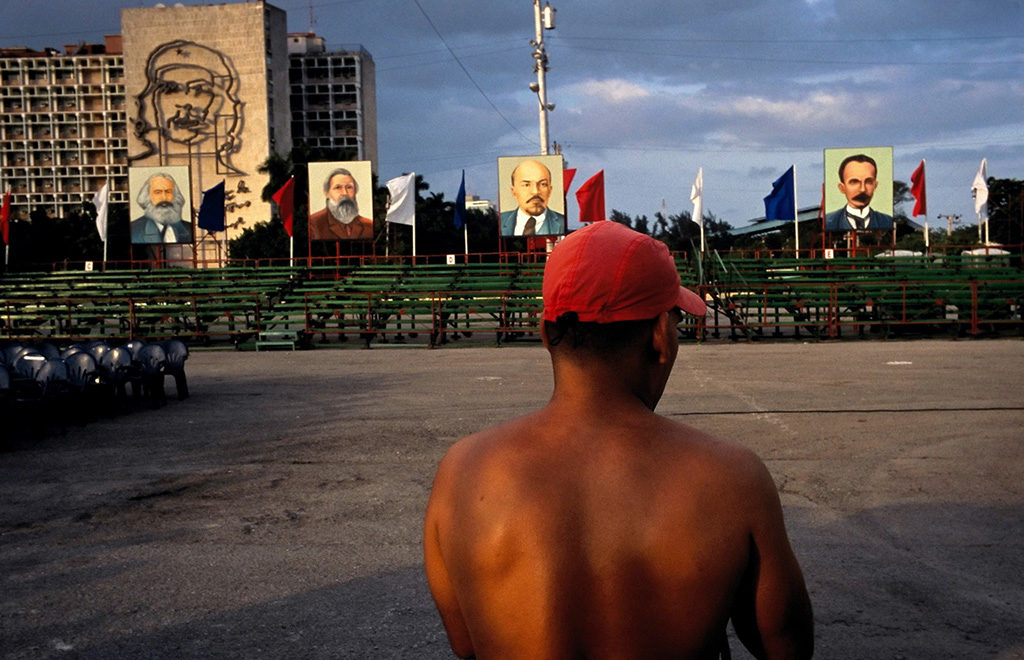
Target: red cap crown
(607, 272)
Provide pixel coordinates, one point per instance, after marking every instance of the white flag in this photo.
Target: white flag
(99, 200)
(697, 197)
(402, 209)
(980, 190)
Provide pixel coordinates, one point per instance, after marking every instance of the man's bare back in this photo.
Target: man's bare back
(595, 528)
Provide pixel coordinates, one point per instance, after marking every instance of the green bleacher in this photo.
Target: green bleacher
(309, 306)
(825, 298)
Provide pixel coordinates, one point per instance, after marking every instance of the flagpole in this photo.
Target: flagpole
(6, 218)
(796, 215)
(106, 224)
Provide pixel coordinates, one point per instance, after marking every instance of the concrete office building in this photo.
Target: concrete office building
(63, 126)
(333, 97)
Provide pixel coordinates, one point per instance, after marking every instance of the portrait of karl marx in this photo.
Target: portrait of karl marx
(162, 204)
(189, 104)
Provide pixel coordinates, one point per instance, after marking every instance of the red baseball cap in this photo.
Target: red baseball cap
(607, 272)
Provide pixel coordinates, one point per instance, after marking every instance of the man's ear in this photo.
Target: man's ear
(544, 334)
(661, 337)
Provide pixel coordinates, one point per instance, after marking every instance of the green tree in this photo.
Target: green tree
(44, 241)
(906, 234)
(1006, 211)
(621, 218)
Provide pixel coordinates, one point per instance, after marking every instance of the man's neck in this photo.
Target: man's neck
(605, 386)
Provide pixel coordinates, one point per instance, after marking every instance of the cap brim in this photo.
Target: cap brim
(690, 302)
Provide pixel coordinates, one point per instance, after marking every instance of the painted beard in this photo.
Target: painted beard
(345, 210)
(163, 213)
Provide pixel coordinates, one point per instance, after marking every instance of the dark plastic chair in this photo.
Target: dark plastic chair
(28, 363)
(97, 348)
(133, 347)
(5, 390)
(48, 350)
(52, 383)
(52, 377)
(152, 360)
(114, 370)
(177, 353)
(10, 354)
(84, 384)
(135, 370)
(71, 350)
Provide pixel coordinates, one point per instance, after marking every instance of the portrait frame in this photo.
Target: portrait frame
(882, 201)
(361, 171)
(556, 201)
(140, 176)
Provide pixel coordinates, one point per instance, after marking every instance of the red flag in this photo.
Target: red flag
(285, 198)
(5, 218)
(918, 191)
(591, 198)
(567, 177)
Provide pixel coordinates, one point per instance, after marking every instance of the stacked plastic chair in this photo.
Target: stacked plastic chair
(177, 353)
(50, 384)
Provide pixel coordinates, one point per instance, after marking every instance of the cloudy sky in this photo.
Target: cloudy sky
(650, 91)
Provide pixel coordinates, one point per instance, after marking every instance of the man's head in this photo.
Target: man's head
(531, 186)
(340, 189)
(858, 178)
(604, 277)
(160, 199)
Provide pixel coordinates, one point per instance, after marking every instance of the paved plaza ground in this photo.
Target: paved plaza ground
(276, 513)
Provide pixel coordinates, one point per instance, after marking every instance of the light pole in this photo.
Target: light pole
(543, 19)
(950, 219)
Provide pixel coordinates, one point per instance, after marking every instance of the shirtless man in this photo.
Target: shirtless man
(594, 528)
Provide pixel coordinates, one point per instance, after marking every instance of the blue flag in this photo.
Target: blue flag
(211, 210)
(460, 203)
(781, 204)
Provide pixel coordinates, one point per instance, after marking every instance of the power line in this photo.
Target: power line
(468, 74)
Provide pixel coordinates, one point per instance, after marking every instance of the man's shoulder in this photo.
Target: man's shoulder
(670, 443)
(691, 443)
(833, 219)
